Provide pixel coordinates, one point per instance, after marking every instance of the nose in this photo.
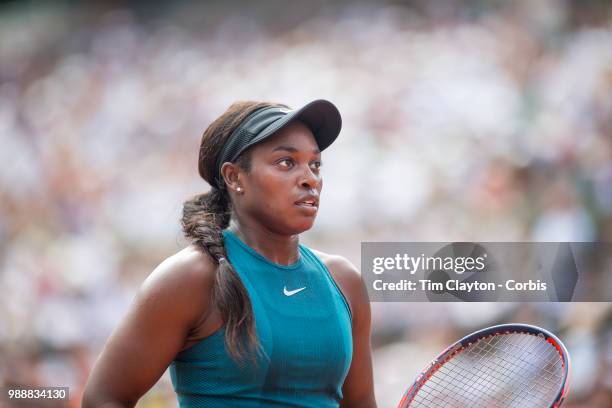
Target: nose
(309, 179)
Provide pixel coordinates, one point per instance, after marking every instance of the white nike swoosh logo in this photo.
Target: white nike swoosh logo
(292, 292)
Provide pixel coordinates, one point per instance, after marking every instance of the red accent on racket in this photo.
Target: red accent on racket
(505, 366)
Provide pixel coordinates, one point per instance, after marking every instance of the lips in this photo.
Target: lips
(309, 201)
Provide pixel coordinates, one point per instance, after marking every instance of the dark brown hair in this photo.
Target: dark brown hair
(205, 216)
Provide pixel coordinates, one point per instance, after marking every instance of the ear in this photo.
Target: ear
(231, 174)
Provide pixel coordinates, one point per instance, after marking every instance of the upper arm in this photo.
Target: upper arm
(358, 388)
(168, 304)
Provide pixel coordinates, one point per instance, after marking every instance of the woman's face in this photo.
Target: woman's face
(282, 188)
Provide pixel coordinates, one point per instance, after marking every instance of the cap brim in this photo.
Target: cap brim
(321, 116)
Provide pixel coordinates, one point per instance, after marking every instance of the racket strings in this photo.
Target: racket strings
(473, 383)
(504, 370)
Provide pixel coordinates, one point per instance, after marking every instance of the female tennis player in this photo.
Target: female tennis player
(245, 316)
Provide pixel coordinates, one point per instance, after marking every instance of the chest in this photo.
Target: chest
(303, 325)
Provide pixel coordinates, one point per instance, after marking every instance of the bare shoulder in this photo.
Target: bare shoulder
(186, 278)
(338, 265)
(168, 305)
(347, 277)
(186, 267)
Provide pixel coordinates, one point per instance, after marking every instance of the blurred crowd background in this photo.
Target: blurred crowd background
(466, 121)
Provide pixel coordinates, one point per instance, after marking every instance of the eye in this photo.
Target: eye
(316, 165)
(287, 162)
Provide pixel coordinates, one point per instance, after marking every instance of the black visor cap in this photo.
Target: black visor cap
(320, 116)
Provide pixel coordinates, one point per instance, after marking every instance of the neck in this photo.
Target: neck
(277, 248)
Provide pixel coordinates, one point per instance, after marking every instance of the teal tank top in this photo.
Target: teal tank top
(304, 326)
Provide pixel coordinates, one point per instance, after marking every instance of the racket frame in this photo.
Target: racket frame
(457, 347)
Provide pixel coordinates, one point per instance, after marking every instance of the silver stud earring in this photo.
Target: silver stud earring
(239, 189)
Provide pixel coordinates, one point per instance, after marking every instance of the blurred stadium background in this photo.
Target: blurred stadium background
(474, 120)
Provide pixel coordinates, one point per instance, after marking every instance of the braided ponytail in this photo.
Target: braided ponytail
(204, 218)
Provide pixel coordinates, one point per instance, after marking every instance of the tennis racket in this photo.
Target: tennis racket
(506, 366)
